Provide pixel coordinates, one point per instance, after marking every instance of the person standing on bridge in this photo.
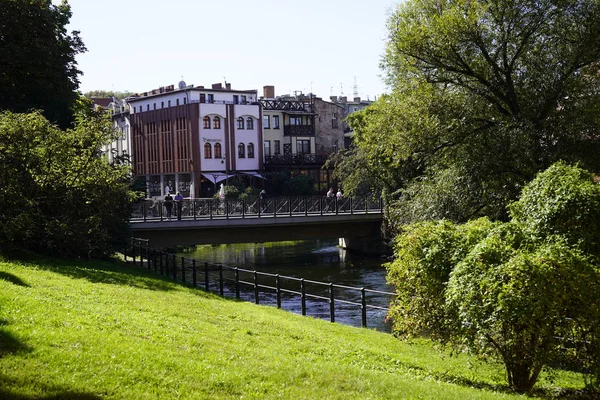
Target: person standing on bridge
(330, 199)
(169, 205)
(179, 202)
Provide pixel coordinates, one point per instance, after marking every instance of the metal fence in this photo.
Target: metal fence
(318, 299)
(194, 209)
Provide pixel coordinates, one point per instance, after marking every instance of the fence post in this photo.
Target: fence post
(148, 257)
(194, 211)
(237, 283)
(321, 204)
(363, 307)
(256, 300)
(259, 207)
(221, 280)
(336, 206)
(161, 262)
(194, 272)
(206, 276)
(305, 207)
(166, 263)
(275, 207)
(303, 296)
(243, 208)
(144, 210)
(331, 303)
(154, 259)
(210, 208)
(182, 269)
(290, 205)
(133, 252)
(351, 206)
(278, 291)
(366, 205)
(174, 267)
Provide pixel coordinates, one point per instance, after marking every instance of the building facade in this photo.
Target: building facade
(192, 139)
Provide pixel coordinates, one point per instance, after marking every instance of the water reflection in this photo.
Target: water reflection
(316, 260)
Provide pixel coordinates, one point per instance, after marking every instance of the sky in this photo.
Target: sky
(323, 47)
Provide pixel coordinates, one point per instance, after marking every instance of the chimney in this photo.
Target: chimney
(357, 99)
(344, 99)
(217, 86)
(269, 92)
(228, 86)
(333, 99)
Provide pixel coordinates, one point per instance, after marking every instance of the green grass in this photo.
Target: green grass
(87, 330)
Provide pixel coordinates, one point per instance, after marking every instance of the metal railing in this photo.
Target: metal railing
(199, 209)
(295, 159)
(317, 299)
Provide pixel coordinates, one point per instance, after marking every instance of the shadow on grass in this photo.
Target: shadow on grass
(54, 392)
(9, 344)
(12, 279)
(113, 272)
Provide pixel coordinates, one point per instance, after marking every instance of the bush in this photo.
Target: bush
(524, 292)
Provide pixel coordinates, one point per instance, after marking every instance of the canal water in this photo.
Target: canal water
(313, 260)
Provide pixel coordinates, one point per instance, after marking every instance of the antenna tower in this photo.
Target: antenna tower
(355, 91)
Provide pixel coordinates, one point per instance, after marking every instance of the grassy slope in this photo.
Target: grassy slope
(92, 329)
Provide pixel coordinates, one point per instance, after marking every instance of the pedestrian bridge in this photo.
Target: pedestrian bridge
(213, 221)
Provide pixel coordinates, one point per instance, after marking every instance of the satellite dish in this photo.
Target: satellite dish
(182, 85)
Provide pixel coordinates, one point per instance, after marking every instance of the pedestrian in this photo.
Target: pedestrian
(263, 194)
(168, 188)
(179, 201)
(339, 194)
(329, 200)
(169, 205)
(330, 193)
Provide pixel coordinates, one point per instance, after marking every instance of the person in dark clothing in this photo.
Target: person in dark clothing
(169, 205)
(179, 201)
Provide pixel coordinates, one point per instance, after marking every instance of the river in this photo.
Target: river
(315, 260)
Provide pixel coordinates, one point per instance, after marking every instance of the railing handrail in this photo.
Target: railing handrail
(170, 268)
(149, 210)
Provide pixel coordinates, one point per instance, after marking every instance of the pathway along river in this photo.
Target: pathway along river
(316, 260)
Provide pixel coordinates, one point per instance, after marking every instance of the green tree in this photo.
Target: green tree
(524, 292)
(38, 69)
(59, 193)
(484, 94)
(107, 93)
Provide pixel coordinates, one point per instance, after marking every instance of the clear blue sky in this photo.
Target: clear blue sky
(138, 45)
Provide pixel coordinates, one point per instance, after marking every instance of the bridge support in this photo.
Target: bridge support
(373, 245)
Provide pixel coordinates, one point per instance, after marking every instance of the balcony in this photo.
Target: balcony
(298, 130)
(296, 159)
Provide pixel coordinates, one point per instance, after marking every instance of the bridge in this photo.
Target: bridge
(215, 221)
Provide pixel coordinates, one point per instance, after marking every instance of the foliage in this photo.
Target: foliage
(231, 192)
(352, 166)
(38, 65)
(483, 96)
(524, 292)
(250, 193)
(59, 193)
(107, 93)
(562, 200)
(299, 185)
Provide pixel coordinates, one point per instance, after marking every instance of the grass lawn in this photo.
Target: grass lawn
(87, 330)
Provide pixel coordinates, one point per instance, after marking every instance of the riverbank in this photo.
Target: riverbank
(108, 330)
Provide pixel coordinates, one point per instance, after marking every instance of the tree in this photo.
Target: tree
(485, 94)
(38, 69)
(59, 194)
(524, 292)
(107, 93)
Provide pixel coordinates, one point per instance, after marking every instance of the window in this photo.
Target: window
(267, 148)
(218, 150)
(334, 123)
(176, 102)
(241, 150)
(211, 98)
(162, 104)
(266, 122)
(277, 147)
(240, 123)
(303, 147)
(275, 121)
(243, 99)
(185, 100)
(250, 150)
(147, 107)
(217, 123)
(154, 106)
(206, 122)
(249, 123)
(169, 103)
(207, 150)
(236, 99)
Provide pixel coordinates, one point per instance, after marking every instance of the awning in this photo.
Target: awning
(216, 177)
(253, 173)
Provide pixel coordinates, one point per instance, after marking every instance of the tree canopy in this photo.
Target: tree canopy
(484, 94)
(38, 69)
(59, 194)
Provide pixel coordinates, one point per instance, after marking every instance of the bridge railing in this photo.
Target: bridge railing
(157, 210)
(317, 299)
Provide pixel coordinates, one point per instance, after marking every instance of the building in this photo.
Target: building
(192, 139)
(300, 132)
(349, 107)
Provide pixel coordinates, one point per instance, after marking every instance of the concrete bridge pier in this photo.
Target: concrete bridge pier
(373, 245)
